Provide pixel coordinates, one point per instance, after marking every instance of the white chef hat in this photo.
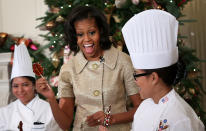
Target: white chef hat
(151, 39)
(22, 64)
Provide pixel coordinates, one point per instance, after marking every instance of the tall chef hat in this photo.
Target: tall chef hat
(22, 64)
(151, 39)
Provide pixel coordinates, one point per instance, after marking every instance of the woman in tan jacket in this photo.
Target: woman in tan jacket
(96, 77)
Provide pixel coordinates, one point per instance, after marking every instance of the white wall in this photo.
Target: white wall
(18, 17)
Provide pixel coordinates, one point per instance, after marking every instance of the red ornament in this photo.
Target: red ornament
(33, 47)
(54, 10)
(38, 69)
(183, 1)
(51, 47)
(12, 48)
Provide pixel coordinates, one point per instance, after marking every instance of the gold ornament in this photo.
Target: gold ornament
(187, 96)
(59, 19)
(120, 3)
(192, 91)
(54, 10)
(43, 28)
(180, 89)
(108, 11)
(3, 38)
(3, 35)
(55, 60)
(159, 7)
(135, 2)
(50, 25)
(192, 74)
(180, 40)
(109, 8)
(116, 18)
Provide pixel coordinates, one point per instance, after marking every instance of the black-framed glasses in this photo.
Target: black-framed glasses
(135, 75)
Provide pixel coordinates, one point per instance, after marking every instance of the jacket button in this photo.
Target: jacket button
(96, 93)
(95, 66)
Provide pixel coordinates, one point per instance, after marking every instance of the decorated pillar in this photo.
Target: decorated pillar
(5, 59)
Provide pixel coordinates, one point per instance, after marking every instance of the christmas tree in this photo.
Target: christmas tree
(118, 12)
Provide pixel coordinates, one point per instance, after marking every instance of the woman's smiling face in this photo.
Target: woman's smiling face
(23, 89)
(88, 38)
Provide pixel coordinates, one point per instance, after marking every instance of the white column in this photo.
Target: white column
(5, 58)
(196, 32)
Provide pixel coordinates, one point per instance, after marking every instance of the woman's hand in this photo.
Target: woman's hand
(96, 119)
(43, 88)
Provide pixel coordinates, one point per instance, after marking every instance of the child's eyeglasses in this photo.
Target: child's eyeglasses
(138, 75)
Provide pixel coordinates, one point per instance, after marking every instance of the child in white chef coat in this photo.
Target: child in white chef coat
(151, 38)
(33, 112)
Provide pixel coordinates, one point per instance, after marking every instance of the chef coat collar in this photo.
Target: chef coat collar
(167, 97)
(110, 59)
(31, 103)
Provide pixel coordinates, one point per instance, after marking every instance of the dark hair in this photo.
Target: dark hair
(170, 75)
(32, 79)
(83, 12)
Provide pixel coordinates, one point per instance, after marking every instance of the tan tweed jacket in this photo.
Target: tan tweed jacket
(96, 85)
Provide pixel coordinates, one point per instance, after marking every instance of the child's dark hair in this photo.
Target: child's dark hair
(171, 75)
(32, 79)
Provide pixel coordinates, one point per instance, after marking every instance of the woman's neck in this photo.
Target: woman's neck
(96, 57)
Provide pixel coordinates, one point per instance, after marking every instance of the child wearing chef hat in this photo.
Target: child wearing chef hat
(151, 39)
(29, 109)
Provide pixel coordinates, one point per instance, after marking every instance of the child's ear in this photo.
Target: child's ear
(155, 78)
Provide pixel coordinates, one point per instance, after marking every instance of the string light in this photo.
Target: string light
(61, 35)
(52, 46)
(194, 69)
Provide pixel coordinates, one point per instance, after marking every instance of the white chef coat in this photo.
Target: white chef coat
(172, 113)
(37, 110)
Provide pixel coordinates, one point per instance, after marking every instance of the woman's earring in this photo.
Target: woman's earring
(77, 48)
